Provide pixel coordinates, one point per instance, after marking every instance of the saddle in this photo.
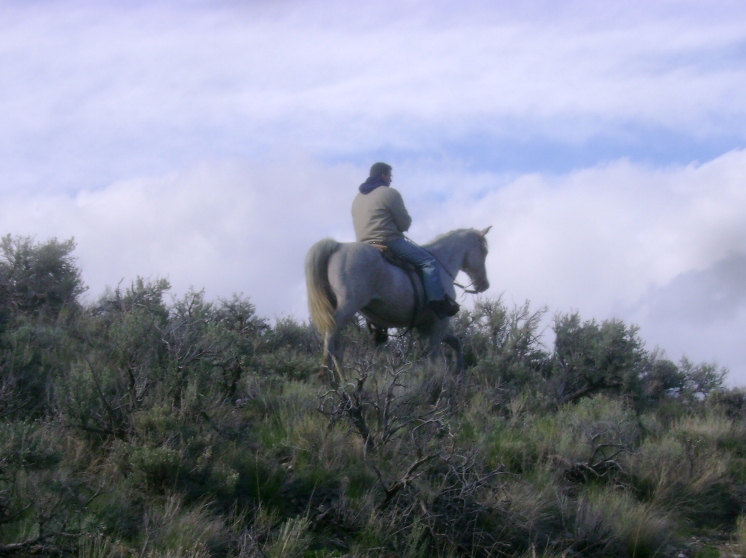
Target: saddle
(393, 259)
(415, 278)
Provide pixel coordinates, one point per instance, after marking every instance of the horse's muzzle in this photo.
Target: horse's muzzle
(482, 286)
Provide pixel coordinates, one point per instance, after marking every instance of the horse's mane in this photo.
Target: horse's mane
(438, 240)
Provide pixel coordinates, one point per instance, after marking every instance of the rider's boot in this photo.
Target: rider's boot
(444, 308)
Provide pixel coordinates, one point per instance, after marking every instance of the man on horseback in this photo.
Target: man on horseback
(379, 217)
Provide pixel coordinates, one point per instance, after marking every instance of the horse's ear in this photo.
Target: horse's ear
(484, 232)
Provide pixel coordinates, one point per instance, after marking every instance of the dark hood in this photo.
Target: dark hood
(371, 184)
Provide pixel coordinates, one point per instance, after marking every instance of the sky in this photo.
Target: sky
(212, 143)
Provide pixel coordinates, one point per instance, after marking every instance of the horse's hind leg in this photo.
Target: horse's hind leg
(332, 353)
(380, 334)
(328, 365)
(332, 348)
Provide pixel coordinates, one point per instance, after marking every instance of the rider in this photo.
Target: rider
(379, 217)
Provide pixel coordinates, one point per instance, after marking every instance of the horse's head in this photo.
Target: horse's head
(475, 258)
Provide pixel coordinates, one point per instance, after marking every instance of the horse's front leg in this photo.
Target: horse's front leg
(452, 341)
(439, 333)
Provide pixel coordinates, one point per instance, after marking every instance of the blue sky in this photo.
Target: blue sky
(213, 142)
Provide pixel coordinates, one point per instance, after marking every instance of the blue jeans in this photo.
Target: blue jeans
(425, 261)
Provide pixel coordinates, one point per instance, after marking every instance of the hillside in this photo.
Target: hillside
(134, 426)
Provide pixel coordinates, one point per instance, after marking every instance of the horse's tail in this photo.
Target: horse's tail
(321, 299)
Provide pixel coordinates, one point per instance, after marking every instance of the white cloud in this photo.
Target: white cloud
(662, 248)
(228, 227)
(107, 92)
(656, 247)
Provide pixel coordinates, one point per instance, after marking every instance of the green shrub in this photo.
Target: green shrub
(138, 427)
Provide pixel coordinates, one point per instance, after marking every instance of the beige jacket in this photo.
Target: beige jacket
(380, 216)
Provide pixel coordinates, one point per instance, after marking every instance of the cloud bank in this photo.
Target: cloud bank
(95, 94)
(662, 248)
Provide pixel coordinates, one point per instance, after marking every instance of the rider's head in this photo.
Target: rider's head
(383, 170)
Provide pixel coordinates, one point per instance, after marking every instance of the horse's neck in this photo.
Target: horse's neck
(450, 254)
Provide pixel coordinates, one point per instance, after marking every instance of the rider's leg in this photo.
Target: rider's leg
(425, 261)
(442, 305)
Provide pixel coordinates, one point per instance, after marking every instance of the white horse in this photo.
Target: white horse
(343, 279)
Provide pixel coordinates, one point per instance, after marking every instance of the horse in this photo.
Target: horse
(345, 278)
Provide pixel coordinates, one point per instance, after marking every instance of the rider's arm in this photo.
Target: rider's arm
(399, 212)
